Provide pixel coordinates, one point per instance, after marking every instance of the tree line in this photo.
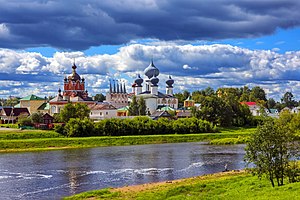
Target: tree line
(140, 125)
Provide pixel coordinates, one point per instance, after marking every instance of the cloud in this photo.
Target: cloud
(33, 23)
(192, 68)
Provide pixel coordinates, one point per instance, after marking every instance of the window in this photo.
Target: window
(53, 109)
(106, 113)
(100, 113)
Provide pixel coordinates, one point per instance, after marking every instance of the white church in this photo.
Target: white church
(118, 97)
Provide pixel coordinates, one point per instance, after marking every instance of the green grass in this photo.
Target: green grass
(217, 186)
(37, 140)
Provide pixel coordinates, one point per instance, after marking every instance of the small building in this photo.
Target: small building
(273, 113)
(11, 115)
(296, 110)
(159, 114)
(102, 111)
(31, 102)
(189, 102)
(122, 112)
(47, 118)
(254, 108)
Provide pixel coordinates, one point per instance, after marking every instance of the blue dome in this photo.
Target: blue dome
(139, 81)
(151, 71)
(154, 80)
(170, 82)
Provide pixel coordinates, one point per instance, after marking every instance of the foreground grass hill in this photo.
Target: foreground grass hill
(229, 185)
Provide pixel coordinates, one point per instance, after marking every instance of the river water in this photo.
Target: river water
(54, 174)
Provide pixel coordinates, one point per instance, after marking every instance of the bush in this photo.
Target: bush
(59, 128)
(79, 128)
(25, 122)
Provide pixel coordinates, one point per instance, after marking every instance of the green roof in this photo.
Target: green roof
(32, 97)
(17, 106)
(124, 108)
(44, 106)
(167, 108)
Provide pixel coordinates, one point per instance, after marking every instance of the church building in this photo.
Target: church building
(74, 92)
(154, 99)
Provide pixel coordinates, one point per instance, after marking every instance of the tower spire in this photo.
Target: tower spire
(110, 88)
(124, 88)
(114, 85)
(118, 86)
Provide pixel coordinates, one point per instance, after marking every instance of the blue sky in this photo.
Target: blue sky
(219, 43)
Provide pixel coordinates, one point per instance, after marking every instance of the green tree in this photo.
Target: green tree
(133, 109)
(257, 93)
(79, 128)
(288, 100)
(271, 103)
(78, 110)
(142, 106)
(37, 117)
(99, 97)
(270, 150)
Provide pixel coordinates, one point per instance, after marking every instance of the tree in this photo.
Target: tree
(271, 103)
(288, 100)
(78, 110)
(133, 109)
(79, 128)
(270, 149)
(99, 97)
(142, 106)
(37, 117)
(257, 93)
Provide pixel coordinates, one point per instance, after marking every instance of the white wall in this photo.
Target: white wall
(103, 114)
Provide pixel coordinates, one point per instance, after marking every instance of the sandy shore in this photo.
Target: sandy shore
(149, 186)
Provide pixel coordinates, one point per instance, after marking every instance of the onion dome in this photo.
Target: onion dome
(65, 79)
(154, 80)
(59, 91)
(74, 76)
(82, 79)
(138, 81)
(151, 71)
(170, 82)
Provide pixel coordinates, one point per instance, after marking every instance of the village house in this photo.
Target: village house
(11, 115)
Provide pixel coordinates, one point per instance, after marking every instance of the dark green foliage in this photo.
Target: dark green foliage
(37, 117)
(133, 109)
(141, 125)
(25, 121)
(99, 97)
(137, 107)
(79, 110)
(59, 128)
(78, 128)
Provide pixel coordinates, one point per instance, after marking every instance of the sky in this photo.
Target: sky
(209, 43)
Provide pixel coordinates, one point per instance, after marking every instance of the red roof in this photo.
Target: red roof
(251, 103)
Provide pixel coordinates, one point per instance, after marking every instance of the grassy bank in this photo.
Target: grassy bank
(231, 185)
(37, 140)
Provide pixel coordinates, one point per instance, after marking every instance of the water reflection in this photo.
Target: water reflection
(61, 173)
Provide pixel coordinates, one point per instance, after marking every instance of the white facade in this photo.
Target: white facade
(102, 111)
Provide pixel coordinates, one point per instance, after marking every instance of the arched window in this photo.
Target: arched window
(53, 109)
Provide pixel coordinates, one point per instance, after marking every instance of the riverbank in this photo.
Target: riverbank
(38, 140)
(225, 185)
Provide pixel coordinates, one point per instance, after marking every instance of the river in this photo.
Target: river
(54, 174)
